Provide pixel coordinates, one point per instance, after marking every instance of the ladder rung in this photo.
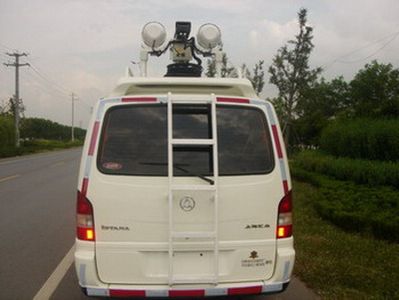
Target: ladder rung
(193, 279)
(193, 141)
(193, 234)
(194, 187)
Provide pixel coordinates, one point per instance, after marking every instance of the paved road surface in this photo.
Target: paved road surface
(37, 228)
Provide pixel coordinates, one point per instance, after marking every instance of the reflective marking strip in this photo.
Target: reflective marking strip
(102, 104)
(186, 293)
(139, 99)
(282, 168)
(270, 114)
(127, 293)
(273, 287)
(87, 166)
(277, 141)
(285, 187)
(248, 290)
(85, 184)
(97, 292)
(93, 139)
(216, 292)
(232, 100)
(156, 293)
(286, 269)
(99, 111)
(276, 138)
(257, 102)
(163, 99)
(82, 274)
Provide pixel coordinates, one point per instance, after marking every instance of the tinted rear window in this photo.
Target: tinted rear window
(134, 140)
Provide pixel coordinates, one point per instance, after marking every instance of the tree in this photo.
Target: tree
(375, 91)
(258, 77)
(226, 71)
(291, 73)
(7, 108)
(210, 68)
(320, 103)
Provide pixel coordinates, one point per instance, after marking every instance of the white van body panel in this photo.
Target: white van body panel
(131, 212)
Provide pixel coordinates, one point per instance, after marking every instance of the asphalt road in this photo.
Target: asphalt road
(37, 228)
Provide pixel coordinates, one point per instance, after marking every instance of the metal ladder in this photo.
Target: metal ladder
(203, 235)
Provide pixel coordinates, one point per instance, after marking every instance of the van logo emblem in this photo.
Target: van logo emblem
(253, 255)
(187, 203)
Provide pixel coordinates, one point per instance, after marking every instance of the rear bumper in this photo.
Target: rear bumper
(250, 288)
(88, 279)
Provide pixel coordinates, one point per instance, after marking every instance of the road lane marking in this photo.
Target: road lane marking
(55, 278)
(9, 177)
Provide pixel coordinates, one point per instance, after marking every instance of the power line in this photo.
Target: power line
(48, 89)
(48, 85)
(338, 59)
(62, 89)
(44, 88)
(372, 54)
(54, 85)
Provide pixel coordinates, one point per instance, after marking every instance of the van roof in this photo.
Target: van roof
(184, 85)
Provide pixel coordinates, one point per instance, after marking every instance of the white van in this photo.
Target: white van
(184, 191)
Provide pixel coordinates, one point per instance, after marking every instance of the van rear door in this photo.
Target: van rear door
(129, 194)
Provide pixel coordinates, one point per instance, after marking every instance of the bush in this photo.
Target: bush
(34, 146)
(39, 128)
(362, 138)
(7, 134)
(355, 207)
(357, 170)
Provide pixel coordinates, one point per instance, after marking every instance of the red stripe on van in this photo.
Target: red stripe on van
(93, 139)
(139, 99)
(85, 184)
(277, 141)
(232, 100)
(186, 293)
(245, 290)
(285, 186)
(126, 293)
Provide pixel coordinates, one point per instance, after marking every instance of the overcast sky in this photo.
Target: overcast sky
(83, 46)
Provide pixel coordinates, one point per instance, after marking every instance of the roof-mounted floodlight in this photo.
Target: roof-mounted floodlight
(153, 34)
(183, 48)
(209, 36)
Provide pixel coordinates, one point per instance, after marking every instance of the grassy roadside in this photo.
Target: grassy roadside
(337, 264)
(36, 146)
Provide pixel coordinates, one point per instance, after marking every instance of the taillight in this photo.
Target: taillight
(284, 225)
(84, 219)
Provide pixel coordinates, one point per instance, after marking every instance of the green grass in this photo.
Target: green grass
(338, 264)
(360, 208)
(357, 170)
(373, 139)
(36, 146)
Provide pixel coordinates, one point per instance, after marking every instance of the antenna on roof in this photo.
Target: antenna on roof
(182, 47)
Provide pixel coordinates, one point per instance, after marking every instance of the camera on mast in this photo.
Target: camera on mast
(183, 48)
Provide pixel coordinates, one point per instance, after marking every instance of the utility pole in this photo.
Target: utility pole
(16, 101)
(73, 98)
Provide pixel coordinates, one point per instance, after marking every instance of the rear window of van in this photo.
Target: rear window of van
(134, 140)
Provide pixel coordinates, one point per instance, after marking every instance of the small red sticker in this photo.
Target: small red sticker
(112, 166)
